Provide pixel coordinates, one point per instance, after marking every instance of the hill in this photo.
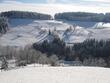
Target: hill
(37, 31)
(83, 16)
(26, 15)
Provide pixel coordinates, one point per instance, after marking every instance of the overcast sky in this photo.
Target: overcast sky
(61, 1)
(54, 6)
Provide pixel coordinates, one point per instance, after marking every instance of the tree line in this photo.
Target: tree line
(90, 52)
(26, 15)
(83, 16)
(24, 56)
(71, 16)
(57, 47)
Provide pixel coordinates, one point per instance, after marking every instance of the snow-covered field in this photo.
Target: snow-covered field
(38, 31)
(56, 75)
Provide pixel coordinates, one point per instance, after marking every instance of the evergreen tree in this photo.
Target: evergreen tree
(3, 25)
(4, 65)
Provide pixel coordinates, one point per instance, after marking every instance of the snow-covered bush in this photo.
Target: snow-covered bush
(54, 60)
(94, 62)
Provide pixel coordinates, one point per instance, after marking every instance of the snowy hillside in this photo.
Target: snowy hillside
(100, 31)
(56, 75)
(101, 25)
(38, 31)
